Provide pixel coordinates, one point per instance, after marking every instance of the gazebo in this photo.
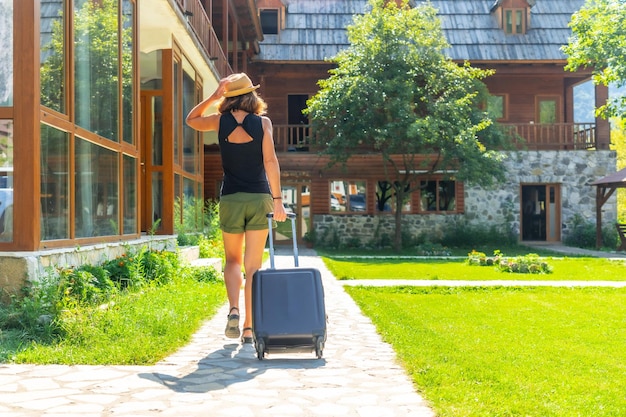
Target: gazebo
(606, 188)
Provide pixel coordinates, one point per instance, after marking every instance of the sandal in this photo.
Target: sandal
(232, 326)
(247, 339)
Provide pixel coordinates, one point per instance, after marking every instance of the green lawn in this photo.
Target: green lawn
(137, 328)
(517, 351)
(574, 269)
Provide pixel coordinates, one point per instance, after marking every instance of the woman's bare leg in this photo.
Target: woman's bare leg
(233, 278)
(253, 259)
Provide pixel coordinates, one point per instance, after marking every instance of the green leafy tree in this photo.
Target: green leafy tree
(599, 42)
(396, 92)
(618, 140)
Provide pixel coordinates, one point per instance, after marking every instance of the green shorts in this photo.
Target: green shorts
(245, 211)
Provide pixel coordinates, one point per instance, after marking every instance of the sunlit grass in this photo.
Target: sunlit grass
(570, 269)
(507, 351)
(135, 328)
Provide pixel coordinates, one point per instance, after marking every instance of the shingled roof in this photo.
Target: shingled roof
(315, 30)
(474, 34)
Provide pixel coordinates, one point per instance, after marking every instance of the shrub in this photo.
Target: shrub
(582, 234)
(205, 274)
(527, 264)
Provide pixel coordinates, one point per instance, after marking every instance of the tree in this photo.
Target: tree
(599, 42)
(395, 91)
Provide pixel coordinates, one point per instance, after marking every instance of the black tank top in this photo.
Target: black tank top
(242, 162)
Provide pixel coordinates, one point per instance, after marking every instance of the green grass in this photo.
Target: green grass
(574, 269)
(136, 328)
(514, 250)
(507, 351)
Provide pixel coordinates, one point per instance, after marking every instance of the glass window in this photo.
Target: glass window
(508, 21)
(96, 43)
(495, 107)
(130, 196)
(157, 199)
(157, 130)
(6, 53)
(55, 168)
(386, 198)
(519, 28)
(547, 111)
(52, 55)
(128, 110)
(348, 196)
(269, 21)
(97, 185)
(177, 112)
(437, 195)
(190, 136)
(514, 21)
(6, 180)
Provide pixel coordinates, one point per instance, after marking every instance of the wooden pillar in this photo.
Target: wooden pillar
(603, 129)
(26, 131)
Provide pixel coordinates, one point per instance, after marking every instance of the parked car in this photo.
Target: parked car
(356, 202)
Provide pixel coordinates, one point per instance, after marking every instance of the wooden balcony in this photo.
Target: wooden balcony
(530, 136)
(201, 26)
(553, 136)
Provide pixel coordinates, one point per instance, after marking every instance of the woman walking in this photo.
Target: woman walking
(250, 188)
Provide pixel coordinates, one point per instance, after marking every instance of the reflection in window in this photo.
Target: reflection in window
(495, 107)
(177, 113)
(96, 43)
(157, 199)
(190, 136)
(52, 43)
(348, 196)
(128, 12)
(386, 198)
(130, 195)
(6, 52)
(437, 195)
(97, 187)
(6, 180)
(157, 130)
(55, 167)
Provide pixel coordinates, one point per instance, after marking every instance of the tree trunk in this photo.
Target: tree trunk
(397, 241)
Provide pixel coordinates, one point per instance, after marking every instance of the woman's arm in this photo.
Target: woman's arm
(272, 169)
(195, 118)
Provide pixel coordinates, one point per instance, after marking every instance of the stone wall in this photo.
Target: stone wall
(16, 268)
(499, 207)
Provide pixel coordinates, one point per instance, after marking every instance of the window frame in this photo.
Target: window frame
(514, 12)
(279, 19)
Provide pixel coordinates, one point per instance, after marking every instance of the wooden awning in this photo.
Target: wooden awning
(606, 188)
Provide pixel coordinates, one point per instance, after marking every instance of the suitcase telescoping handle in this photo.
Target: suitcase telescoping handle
(292, 217)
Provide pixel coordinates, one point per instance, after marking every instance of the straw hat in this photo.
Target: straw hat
(239, 85)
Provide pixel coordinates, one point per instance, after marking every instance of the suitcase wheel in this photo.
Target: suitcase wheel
(260, 349)
(319, 347)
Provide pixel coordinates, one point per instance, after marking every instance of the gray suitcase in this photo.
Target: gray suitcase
(288, 311)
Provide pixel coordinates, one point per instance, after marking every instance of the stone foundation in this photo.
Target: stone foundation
(501, 206)
(16, 268)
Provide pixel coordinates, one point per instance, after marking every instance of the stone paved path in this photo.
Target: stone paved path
(214, 376)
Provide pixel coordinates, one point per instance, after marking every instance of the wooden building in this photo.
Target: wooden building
(532, 95)
(93, 146)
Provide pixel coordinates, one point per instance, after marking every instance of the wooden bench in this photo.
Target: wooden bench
(621, 229)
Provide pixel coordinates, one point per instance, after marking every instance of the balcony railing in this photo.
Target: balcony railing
(553, 136)
(201, 26)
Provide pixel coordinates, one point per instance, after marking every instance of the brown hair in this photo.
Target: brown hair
(249, 102)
